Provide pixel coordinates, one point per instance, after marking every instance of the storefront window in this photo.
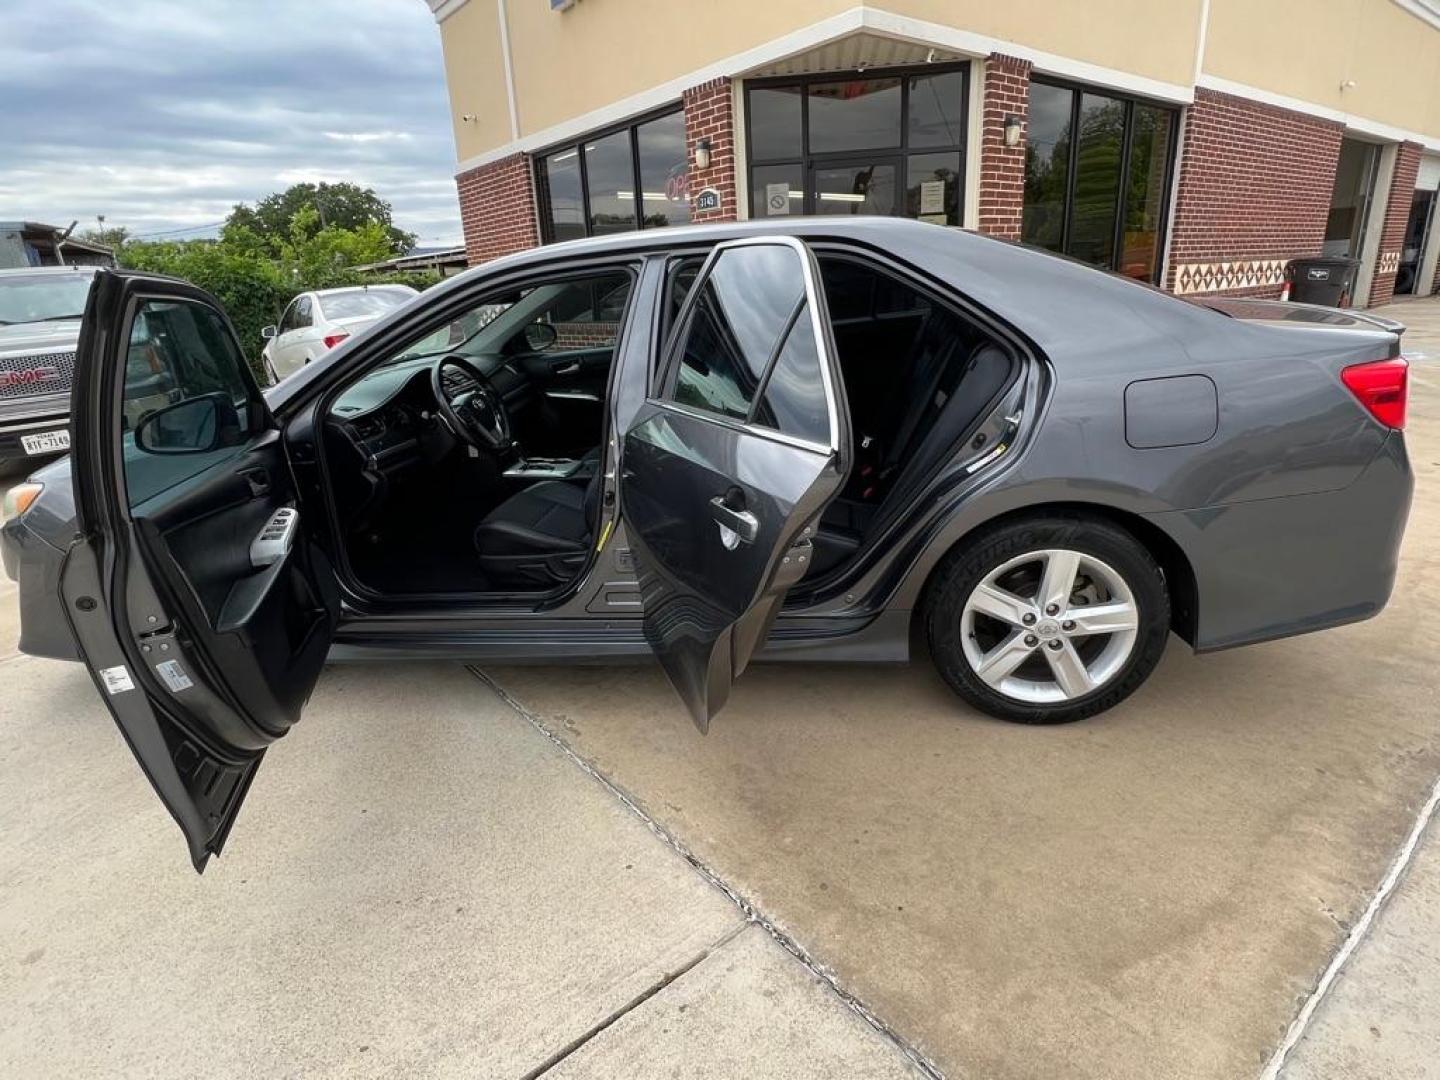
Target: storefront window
(1096, 177)
(857, 114)
(889, 144)
(617, 181)
(664, 197)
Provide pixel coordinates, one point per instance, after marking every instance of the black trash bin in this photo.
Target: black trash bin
(1328, 280)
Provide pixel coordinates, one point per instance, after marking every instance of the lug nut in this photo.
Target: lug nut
(1028, 620)
(1068, 625)
(1031, 640)
(1052, 609)
(1056, 643)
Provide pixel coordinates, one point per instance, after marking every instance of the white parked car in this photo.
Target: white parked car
(315, 322)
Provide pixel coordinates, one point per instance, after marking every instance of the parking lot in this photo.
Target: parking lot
(520, 871)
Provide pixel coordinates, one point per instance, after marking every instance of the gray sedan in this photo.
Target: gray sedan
(816, 439)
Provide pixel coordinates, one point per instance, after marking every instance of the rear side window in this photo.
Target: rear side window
(748, 349)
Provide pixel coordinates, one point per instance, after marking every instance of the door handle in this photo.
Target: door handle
(568, 369)
(736, 526)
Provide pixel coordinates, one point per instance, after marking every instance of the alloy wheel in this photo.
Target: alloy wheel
(1049, 626)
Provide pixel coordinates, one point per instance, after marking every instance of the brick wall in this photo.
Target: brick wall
(710, 114)
(1255, 183)
(1002, 168)
(1397, 214)
(497, 208)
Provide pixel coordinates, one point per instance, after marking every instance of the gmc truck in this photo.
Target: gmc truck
(40, 310)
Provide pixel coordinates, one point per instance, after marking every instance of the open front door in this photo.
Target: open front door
(196, 601)
(728, 465)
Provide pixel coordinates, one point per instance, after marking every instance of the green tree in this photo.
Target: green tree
(342, 206)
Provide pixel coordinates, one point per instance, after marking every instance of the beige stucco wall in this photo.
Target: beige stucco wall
(475, 75)
(1307, 48)
(601, 51)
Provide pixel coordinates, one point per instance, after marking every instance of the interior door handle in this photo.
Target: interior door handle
(569, 369)
(736, 526)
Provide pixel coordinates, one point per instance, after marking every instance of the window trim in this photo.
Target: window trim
(662, 392)
(903, 151)
(539, 157)
(1129, 100)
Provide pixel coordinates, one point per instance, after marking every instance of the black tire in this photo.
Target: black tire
(976, 557)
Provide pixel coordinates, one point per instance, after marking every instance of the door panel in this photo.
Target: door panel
(195, 597)
(719, 494)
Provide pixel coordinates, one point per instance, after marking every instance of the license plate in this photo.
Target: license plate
(47, 442)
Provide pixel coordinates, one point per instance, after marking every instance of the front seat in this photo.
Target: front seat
(538, 537)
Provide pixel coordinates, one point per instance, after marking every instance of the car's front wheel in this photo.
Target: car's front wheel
(1047, 620)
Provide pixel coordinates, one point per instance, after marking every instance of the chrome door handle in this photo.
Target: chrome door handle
(569, 369)
(736, 526)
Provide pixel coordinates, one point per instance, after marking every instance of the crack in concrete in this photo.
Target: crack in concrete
(1403, 858)
(634, 1003)
(752, 914)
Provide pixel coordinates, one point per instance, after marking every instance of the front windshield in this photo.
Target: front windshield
(502, 321)
(42, 297)
(363, 303)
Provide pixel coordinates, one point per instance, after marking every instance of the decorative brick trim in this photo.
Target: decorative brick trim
(710, 114)
(1002, 168)
(1228, 276)
(497, 208)
(1255, 183)
(1397, 214)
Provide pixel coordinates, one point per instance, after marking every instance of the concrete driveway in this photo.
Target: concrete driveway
(425, 882)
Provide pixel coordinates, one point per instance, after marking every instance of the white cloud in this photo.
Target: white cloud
(162, 115)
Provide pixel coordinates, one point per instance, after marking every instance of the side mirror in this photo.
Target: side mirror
(193, 426)
(268, 332)
(539, 336)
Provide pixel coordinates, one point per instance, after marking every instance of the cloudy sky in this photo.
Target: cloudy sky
(162, 114)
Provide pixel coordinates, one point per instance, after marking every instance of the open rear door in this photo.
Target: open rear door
(196, 601)
(726, 468)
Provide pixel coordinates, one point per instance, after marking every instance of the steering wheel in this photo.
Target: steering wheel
(475, 413)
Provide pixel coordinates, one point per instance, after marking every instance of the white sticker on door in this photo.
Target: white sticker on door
(116, 679)
(777, 199)
(174, 675)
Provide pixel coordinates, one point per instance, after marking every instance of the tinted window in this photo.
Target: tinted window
(795, 400)
(937, 115)
(1047, 165)
(182, 359)
(287, 321)
(560, 183)
(1145, 191)
(1097, 179)
(775, 122)
(857, 114)
(302, 312)
(744, 305)
(663, 174)
(610, 174)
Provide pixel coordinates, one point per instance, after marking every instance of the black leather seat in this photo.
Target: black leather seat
(538, 537)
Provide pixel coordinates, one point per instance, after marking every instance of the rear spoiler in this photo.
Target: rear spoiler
(1308, 314)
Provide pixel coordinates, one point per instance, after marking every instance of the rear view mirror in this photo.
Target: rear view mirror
(539, 336)
(268, 332)
(193, 426)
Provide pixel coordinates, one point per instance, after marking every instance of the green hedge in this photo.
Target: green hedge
(253, 290)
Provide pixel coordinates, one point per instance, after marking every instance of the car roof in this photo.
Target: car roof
(1061, 304)
(389, 285)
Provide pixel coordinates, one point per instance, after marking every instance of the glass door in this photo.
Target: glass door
(855, 186)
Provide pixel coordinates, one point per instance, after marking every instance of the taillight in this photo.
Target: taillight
(1381, 386)
(331, 340)
(1285, 291)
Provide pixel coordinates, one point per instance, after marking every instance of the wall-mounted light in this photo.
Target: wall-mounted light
(702, 154)
(1012, 130)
